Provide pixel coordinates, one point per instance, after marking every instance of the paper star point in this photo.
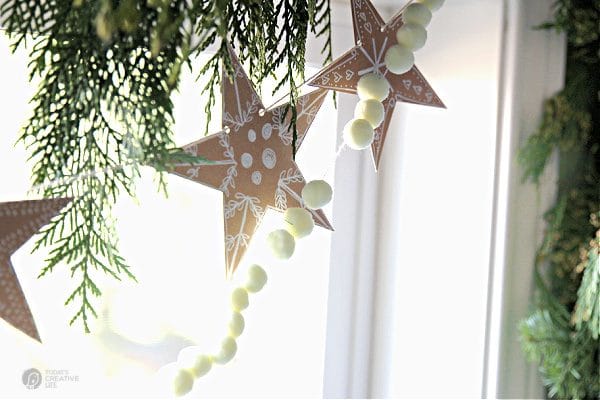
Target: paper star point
(19, 221)
(253, 164)
(373, 37)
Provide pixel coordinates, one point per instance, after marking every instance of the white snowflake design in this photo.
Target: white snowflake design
(306, 109)
(246, 111)
(242, 203)
(228, 159)
(229, 179)
(285, 178)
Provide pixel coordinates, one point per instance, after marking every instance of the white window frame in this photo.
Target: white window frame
(357, 347)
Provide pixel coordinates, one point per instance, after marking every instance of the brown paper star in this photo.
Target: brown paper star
(251, 160)
(373, 37)
(19, 221)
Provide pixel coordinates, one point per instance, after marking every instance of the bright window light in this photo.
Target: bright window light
(445, 160)
(176, 247)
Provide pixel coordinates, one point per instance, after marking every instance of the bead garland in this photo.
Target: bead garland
(373, 88)
(358, 134)
(298, 223)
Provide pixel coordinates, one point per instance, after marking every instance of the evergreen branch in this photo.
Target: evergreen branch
(587, 309)
(267, 35)
(562, 334)
(103, 106)
(579, 20)
(102, 109)
(294, 30)
(567, 358)
(563, 127)
(323, 22)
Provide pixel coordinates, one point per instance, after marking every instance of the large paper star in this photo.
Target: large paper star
(251, 160)
(373, 37)
(19, 221)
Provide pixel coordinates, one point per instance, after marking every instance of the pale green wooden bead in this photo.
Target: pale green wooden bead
(370, 110)
(227, 352)
(191, 358)
(281, 243)
(358, 134)
(202, 366)
(183, 382)
(372, 86)
(239, 299)
(318, 193)
(257, 278)
(298, 221)
(412, 36)
(399, 59)
(417, 14)
(433, 5)
(236, 324)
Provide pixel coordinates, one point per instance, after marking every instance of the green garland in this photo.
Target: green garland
(103, 107)
(563, 332)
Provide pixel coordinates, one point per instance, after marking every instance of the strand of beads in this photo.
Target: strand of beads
(191, 364)
(358, 134)
(373, 88)
(411, 36)
(298, 222)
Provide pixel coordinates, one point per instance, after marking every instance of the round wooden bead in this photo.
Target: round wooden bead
(370, 110)
(192, 359)
(417, 14)
(298, 221)
(317, 193)
(236, 324)
(281, 243)
(399, 59)
(433, 5)
(227, 352)
(358, 134)
(202, 366)
(373, 86)
(411, 36)
(183, 382)
(239, 299)
(257, 278)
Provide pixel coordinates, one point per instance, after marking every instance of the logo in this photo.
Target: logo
(32, 378)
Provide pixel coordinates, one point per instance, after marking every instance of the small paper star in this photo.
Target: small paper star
(373, 37)
(251, 160)
(19, 221)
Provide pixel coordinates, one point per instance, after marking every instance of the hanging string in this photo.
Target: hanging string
(332, 163)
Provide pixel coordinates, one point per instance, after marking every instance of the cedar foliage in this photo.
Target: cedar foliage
(562, 332)
(103, 108)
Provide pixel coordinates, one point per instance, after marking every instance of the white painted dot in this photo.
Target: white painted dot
(252, 135)
(269, 158)
(246, 160)
(267, 130)
(256, 177)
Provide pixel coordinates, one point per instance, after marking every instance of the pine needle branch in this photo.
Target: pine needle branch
(103, 108)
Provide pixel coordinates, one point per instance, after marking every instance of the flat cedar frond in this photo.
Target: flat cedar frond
(103, 107)
(562, 333)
